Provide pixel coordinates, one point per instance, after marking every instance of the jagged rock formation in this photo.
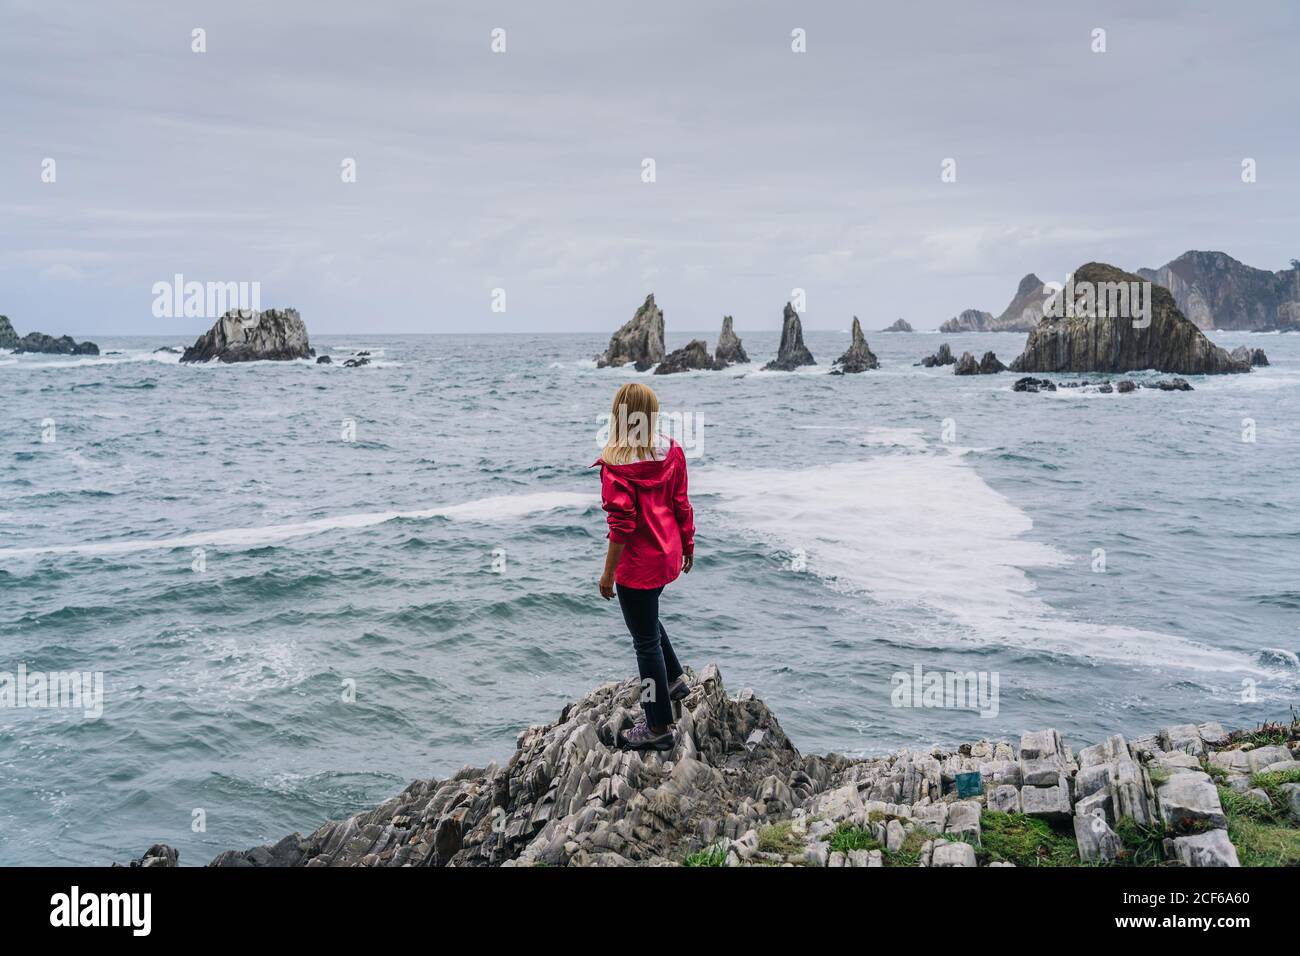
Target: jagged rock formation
(1252, 357)
(640, 341)
(941, 357)
(1020, 315)
(694, 356)
(568, 797)
(729, 350)
(792, 352)
(1215, 291)
(1109, 343)
(971, 320)
(244, 335)
(859, 356)
(40, 342)
(1123, 387)
(899, 326)
(988, 365)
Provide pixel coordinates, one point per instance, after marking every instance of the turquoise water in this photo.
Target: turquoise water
(445, 562)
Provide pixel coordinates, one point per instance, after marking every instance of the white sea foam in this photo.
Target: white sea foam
(925, 529)
(498, 508)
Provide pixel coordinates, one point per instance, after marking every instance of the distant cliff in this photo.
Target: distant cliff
(1215, 291)
(1020, 315)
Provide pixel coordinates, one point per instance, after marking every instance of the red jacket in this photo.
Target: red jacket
(649, 512)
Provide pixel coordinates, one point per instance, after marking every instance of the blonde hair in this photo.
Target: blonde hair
(633, 425)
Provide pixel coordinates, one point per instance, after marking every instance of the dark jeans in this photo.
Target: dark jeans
(654, 654)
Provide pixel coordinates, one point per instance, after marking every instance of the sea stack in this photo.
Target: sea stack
(988, 365)
(695, 356)
(1244, 353)
(245, 335)
(792, 353)
(729, 350)
(942, 357)
(899, 326)
(859, 357)
(640, 342)
(1167, 341)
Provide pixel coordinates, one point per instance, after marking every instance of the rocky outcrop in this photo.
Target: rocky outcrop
(40, 342)
(971, 320)
(1249, 356)
(729, 350)
(1165, 340)
(1215, 291)
(792, 352)
(245, 335)
(695, 356)
(640, 341)
(1021, 314)
(734, 791)
(858, 357)
(899, 326)
(988, 365)
(942, 357)
(1104, 386)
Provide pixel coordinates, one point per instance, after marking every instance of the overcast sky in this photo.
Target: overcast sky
(522, 170)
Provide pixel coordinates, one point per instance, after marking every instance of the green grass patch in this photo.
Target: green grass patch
(713, 855)
(1024, 841)
(1142, 844)
(849, 836)
(1259, 844)
(777, 838)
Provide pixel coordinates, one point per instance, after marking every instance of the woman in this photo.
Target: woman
(651, 541)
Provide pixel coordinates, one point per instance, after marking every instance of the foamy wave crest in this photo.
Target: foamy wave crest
(499, 508)
(925, 529)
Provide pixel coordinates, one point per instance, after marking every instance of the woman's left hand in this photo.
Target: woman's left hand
(688, 562)
(607, 586)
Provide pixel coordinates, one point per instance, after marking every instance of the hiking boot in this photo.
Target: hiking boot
(641, 737)
(679, 689)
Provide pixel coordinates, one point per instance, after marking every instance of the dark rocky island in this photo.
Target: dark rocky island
(942, 357)
(42, 343)
(987, 365)
(1097, 342)
(639, 342)
(734, 791)
(859, 357)
(243, 335)
(899, 326)
(792, 353)
(693, 357)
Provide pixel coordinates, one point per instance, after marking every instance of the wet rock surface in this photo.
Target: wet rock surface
(858, 357)
(730, 351)
(694, 356)
(42, 343)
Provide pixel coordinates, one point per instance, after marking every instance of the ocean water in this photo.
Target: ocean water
(443, 561)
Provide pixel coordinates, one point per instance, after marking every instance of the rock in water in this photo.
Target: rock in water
(1020, 315)
(941, 357)
(989, 364)
(1244, 353)
(729, 350)
(859, 357)
(966, 365)
(640, 342)
(792, 353)
(1169, 342)
(694, 356)
(899, 326)
(40, 342)
(324, 360)
(242, 335)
